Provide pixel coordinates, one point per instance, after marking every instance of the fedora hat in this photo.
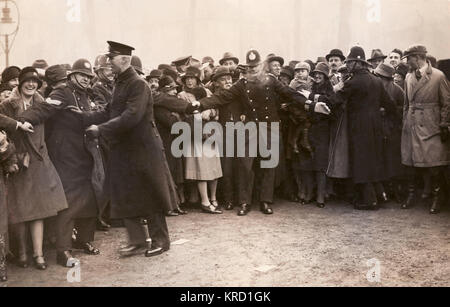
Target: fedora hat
(272, 58)
(415, 50)
(229, 56)
(385, 70)
(377, 54)
(220, 72)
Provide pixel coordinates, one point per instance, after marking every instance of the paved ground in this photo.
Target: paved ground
(299, 246)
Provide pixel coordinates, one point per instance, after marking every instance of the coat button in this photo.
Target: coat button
(267, 108)
(254, 110)
(248, 91)
(251, 100)
(267, 117)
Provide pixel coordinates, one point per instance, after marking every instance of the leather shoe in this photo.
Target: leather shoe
(180, 211)
(102, 225)
(40, 265)
(229, 206)
(66, 259)
(211, 209)
(88, 248)
(22, 263)
(266, 209)
(131, 250)
(171, 213)
(244, 210)
(155, 251)
(321, 205)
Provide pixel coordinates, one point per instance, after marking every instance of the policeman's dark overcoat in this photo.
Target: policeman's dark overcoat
(139, 179)
(65, 138)
(364, 96)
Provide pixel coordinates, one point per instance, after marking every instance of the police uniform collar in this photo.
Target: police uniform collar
(126, 74)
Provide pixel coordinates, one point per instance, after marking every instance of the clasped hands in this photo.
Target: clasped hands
(320, 107)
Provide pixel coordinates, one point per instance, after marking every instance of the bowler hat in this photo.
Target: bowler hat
(385, 70)
(220, 72)
(335, 53)
(116, 49)
(229, 56)
(415, 50)
(402, 69)
(29, 73)
(377, 54)
(321, 59)
(323, 68)
(191, 72)
(357, 54)
(253, 58)
(55, 74)
(287, 71)
(156, 73)
(82, 66)
(10, 73)
(272, 58)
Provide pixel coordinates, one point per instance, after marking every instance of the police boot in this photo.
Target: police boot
(436, 204)
(410, 199)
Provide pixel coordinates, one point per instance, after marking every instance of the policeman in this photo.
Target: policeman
(258, 94)
(136, 155)
(74, 164)
(103, 87)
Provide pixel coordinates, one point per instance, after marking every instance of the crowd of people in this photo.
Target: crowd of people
(87, 146)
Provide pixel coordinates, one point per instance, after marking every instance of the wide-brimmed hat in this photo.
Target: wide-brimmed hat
(385, 70)
(82, 66)
(220, 72)
(192, 72)
(154, 74)
(357, 54)
(377, 54)
(229, 56)
(323, 68)
(415, 50)
(29, 73)
(335, 53)
(272, 58)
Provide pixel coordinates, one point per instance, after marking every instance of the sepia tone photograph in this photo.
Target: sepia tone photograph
(213, 144)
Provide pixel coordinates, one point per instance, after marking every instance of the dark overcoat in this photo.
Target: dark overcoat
(165, 107)
(139, 179)
(9, 126)
(392, 131)
(66, 146)
(319, 133)
(36, 191)
(364, 95)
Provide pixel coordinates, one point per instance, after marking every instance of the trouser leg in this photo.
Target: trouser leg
(85, 229)
(159, 233)
(136, 231)
(267, 184)
(64, 228)
(227, 181)
(321, 180)
(246, 179)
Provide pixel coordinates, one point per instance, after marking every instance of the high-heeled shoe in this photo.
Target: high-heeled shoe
(211, 209)
(40, 265)
(22, 263)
